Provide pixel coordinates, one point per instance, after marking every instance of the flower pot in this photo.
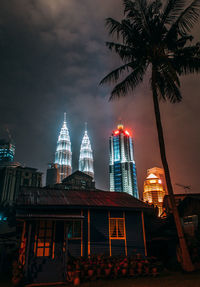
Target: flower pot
(124, 271)
(131, 272)
(76, 280)
(107, 272)
(154, 271)
(90, 273)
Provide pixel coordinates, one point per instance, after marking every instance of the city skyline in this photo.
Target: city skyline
(55, 65)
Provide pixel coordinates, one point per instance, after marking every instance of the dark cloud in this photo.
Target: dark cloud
(52, 59)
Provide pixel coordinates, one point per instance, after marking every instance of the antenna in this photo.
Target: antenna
(65, 117)
(86, 126)
(185, 187)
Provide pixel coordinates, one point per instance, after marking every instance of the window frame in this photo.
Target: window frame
(117, 237)
(46, 242)
(73, 231)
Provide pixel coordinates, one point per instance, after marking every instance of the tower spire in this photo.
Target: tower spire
(86, 156)
(63, 156)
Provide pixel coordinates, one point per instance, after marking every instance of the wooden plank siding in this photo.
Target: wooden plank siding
(99, 232)
(134, 232)
(94, 241)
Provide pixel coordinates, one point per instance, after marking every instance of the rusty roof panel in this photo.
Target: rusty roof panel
(98, 198)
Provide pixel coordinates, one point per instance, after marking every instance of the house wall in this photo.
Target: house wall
(134, 233)
(94, 241)
(99, 232)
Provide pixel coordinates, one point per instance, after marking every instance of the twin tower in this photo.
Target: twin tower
(122, 169)
(63, 155)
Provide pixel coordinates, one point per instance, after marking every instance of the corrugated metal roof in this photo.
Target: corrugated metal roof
(96, 198)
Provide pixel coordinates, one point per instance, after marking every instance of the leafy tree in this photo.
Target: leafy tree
(155, 36)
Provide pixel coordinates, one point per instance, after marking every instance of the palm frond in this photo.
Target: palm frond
(125, 52)
(115, 74)
(187, 18)
(123, 30)
(172, 10)
(167, 87)
(130, 82)
(136, 12)
(187, 60)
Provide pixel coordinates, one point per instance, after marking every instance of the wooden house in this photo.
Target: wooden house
(58, 223)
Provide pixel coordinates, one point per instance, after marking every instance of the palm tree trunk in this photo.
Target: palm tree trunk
(186, 260)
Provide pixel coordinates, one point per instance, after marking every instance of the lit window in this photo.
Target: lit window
(44, 238)
(117, 228)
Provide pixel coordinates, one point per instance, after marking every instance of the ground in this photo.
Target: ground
(166, 279)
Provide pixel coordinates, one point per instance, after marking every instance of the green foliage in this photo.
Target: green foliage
(154, 34)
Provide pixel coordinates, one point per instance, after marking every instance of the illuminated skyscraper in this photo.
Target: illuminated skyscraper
(159, 172)
(123, 176)
(154, 191)
(7, 151)
(86, 157)
(63, 156)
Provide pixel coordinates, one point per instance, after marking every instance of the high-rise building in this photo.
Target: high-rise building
(154, 188)
(7, 151)
(159, 172)
(63, 156)
(86, 157)
(123, 176)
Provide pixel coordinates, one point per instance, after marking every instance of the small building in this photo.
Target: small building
(58, 223)
(13, 177)
(189, 211)
(53, 175)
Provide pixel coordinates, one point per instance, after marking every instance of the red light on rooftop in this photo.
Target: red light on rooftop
(127, 133)
(116, 132)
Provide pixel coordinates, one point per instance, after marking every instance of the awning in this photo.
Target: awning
(34, 216)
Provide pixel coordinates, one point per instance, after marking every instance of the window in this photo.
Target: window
(44, 238)
(74, 231)
(117, 228)
(26, 182)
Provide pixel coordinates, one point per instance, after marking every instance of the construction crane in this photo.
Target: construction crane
(185, 187)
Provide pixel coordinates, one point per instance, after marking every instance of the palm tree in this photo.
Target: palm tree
(154, 37)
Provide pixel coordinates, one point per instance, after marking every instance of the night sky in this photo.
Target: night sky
(52, 58)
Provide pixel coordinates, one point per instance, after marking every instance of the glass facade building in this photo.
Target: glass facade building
(86, 156)
(122, 169)
(63, 156)
(7, 151)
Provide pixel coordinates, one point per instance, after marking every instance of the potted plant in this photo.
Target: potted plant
(17, 274)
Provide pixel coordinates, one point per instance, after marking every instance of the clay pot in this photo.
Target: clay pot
(131, 272)
(124, 271)
(154, 271)
(76, 279)
(107, 272)
(90, 273)
(146, 270)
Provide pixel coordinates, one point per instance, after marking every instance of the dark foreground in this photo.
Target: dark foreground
(166, 279)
